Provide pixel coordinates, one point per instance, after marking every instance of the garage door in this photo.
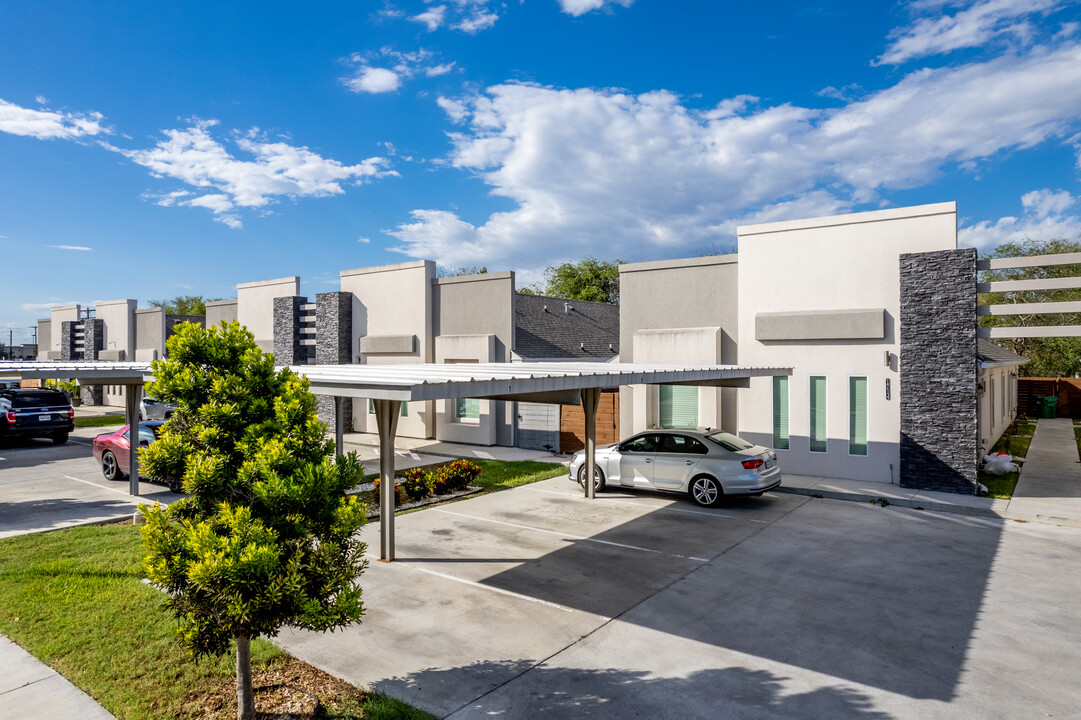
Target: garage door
(538, 426)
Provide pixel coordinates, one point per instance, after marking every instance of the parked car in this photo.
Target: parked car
(33, 412)
(707, 465)
(152, 409)
(111, 449)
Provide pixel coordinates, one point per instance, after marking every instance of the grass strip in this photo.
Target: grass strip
(75, 600)
(100, 421)
(495, 475)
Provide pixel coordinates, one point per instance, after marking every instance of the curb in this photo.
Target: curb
(898, 502)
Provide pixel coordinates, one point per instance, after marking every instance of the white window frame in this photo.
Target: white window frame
(866, 418)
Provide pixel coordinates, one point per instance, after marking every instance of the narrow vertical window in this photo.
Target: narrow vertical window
(780, 412)
(818, 413)
(857, 416)
(467, 409)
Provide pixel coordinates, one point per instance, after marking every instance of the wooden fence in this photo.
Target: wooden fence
(1067, 390)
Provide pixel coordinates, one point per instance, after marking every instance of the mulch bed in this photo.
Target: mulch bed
(291, 690)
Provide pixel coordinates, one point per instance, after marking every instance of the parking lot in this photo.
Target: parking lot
(45, 486)
(534, 602)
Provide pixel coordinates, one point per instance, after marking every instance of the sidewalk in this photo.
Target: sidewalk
(1048, 492)
(413, 452)
(31, 690)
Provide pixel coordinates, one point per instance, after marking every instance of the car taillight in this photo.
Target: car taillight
(71, 413)
(10, 417)
(753, 464)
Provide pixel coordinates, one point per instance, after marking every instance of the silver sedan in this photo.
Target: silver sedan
(706, 465)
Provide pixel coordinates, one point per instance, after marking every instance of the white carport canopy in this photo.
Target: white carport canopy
(564, 383)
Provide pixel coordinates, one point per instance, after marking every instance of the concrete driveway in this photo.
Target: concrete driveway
(45, 486)
(534, 602)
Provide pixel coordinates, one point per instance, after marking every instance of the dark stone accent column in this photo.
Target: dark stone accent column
(939, 435)
(287, 348)
(67, 341)
(92, 394)
(334, 345)
(93, 339)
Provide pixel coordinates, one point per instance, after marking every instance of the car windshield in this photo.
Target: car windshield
(146, 434)
(38, 399)
(729, 441)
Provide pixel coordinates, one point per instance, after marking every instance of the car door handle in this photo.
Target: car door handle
(690, 462)
(648, 460)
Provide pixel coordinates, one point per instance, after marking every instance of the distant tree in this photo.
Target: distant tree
(457, 272)
(184, 305)
(715, 249)
(267, 537)
(1049, 357)
(588, 279)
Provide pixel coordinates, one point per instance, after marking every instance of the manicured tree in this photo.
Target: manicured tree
(267, 536)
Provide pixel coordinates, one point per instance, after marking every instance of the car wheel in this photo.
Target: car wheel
(176, 486)
(61, 437)
(706, 491)
(598, 478)
(109, 467)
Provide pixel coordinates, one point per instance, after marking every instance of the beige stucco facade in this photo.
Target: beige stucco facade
(255, 306)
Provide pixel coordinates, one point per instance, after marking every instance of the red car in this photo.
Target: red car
(111, 449)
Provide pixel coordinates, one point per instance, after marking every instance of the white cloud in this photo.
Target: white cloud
(81, 248)
(46, 305)
(373, 80)
(41, 100)
(621, 175)
(581, 7)
(49, 124)
(1043, 217)
(432, 17)
(364, 240)
(193, 156)
(975, 25)
(373, 76)
(480, 19)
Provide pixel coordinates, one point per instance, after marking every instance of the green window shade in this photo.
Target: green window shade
(679, 406)
(857, 416)
(818, 413)
(780, 412)
(467, 408)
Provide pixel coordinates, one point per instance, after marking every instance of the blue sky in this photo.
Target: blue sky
(149, 150)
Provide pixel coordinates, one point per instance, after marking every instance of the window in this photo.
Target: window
(857, 416)
(640, 444)
(403, 413)
(467, 409)
(681, 444)
(780, 412)
(818, 413)
(729, 441)
(679, 406)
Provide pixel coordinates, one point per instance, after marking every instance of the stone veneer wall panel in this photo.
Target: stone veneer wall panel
(287, 348)
(939, 433)
(93, 339)
(67, 341)
(334, 344)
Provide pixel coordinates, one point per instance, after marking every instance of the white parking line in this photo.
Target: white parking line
(661, 507)
(488, 587)
(103, 487)
(569, 536)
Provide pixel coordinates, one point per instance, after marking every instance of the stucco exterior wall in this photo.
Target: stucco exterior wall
(693, 300)
(841, 263)
(997, 402)
(60, 315)
(255, 306)
(45, 342)
(119, 326)
(149, 334)
(466, 349)
(483, 306)
(393, 301)
(219, 310)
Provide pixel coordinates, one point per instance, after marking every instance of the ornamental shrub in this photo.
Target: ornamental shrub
(460, 474)
(417, 484)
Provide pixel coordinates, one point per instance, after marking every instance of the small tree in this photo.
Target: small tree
(184, 305)
(267, 536)
(588, 279)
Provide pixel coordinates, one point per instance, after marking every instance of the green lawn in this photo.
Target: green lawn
(75, 599)
(1015, 441)
(100, 421)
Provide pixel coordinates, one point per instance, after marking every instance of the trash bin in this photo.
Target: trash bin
(1046, 406)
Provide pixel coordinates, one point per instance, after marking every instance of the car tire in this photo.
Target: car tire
(706, 490)
(176, 487)
(60, 437)
(598, 478)
(110, 468)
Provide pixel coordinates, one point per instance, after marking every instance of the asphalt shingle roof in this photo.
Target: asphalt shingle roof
(551, 327)
(988, 352)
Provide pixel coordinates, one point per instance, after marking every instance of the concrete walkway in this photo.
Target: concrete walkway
(1049, 490)
(31, 690)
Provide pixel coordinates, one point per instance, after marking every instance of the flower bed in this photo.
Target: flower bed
(413, 486)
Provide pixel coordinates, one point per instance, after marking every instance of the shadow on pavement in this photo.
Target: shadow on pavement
(565, 693)
(50, 514)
